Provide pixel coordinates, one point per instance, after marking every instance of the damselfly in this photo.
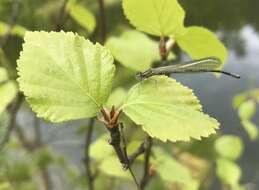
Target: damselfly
(209, 64)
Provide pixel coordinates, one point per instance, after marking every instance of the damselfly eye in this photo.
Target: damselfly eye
(139, 76)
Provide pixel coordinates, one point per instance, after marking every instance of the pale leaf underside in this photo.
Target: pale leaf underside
(134, 50)
(161, 18)
(64, 76)
(167, 110)
(199, 42)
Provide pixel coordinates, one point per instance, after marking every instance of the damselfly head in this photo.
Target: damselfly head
(145, 74)
(139, 76)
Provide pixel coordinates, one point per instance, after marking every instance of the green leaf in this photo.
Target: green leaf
(111, 166)
(43, 157)
(251, 129)
(156, 183)
(82, 16)
(160, 18)
(19, 172)
(255, 94)
(3, 75)
(228, 172)
(192, 185)
(126, 49)
(16, 30)
(164, 164)
(124, 77)
(19, 31)
(239, 99)
(116, 98)
(199, 42)
(229, 146)
(133, 145)
(26, 185)
(7, 65)
(48, 9)
(4, 185)
(247, 110)
(8, 92)
(238, 187)
(101, 149)
(3, 28)
(71, 77)
(4, 122)
(167, 110)
(102, 152)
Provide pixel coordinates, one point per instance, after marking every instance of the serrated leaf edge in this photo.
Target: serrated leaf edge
(34, 108)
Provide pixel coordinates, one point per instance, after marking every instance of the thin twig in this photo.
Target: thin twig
(141, 149)
(46, 179)
(11, 23)
(102, 21)
(45, 174)
(134, 178)
(89, 175)
(115, 142)
(207, 179)
(226, 187)
(60, 19)
(37, 132)
(145, 179)
(34, 145)
(30, 146)
(124, 147)
(13, 112)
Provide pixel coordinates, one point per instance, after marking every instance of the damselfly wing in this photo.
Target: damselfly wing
(209, 64)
